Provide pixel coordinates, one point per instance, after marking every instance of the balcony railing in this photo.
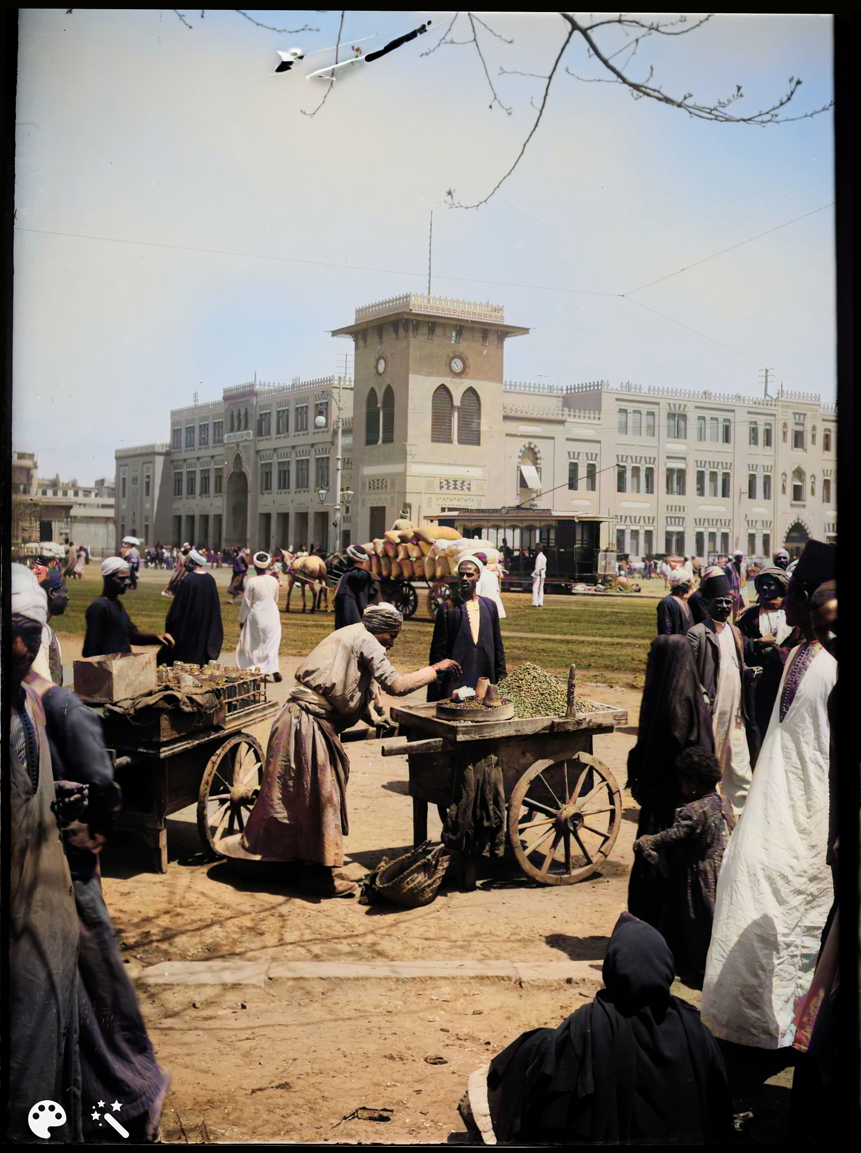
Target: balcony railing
(433, 306)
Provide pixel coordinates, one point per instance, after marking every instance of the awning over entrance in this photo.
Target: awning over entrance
(530, 476)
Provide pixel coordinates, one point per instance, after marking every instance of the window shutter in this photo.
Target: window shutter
(469, 418)
(372, 418)
(388, 415)
(442, 410)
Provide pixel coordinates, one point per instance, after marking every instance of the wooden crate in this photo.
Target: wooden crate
(115, 676)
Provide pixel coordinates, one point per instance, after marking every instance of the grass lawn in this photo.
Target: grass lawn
(608, 640)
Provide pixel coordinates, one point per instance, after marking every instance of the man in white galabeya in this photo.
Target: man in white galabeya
(538, 574)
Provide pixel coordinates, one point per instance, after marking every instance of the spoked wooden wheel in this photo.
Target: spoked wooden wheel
(438, 594)
(405, 599)
(230, 786)
(563, 819)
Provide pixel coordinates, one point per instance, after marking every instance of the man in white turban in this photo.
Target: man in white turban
(109, 627)
(194, 617)
(42, 990)
(301, 813)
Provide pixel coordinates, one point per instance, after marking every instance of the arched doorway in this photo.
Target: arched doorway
(796, 538)
(236, 518)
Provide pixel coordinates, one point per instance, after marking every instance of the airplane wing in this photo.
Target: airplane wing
(333, 68)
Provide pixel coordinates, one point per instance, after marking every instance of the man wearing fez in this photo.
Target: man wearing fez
(774, 890)
(109, 628)
(674, 613)
(719, 655)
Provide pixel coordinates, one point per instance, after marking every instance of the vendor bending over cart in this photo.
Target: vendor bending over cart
(301, 813)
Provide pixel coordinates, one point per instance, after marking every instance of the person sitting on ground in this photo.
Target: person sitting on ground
(635, 1065)
(467, 631)
(674, 613)
(109, 628)
(688, 856)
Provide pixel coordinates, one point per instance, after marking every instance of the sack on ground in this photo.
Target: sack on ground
(411, 880)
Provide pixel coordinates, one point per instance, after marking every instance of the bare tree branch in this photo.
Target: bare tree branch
(332, 81)
(182, 18)
(495, 99)
(442, 40)
(269, 28)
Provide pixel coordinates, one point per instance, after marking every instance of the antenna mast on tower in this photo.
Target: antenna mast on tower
(763, 375)
(430, 253)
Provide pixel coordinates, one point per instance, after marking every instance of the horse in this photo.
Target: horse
(307, 570)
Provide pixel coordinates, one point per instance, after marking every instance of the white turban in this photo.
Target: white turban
(680, 576)
(113, 564)
(28, 596)
(195, 556)
(472, 560)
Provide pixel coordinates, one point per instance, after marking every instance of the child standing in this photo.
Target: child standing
(688, 857)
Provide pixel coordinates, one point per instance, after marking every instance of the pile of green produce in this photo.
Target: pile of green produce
(537, 693)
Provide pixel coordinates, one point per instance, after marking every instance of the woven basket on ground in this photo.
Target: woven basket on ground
(410, 880)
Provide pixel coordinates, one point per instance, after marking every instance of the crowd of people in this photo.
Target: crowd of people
(729, 891)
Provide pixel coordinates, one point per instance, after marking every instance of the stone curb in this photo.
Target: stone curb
(258, 972)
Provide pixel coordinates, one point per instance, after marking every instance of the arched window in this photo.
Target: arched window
(469, 418)
(528, 472)
(372, 418)
(442, 411)
(232, 425)
(798, 484)
(826, 440)
(245, 423)
(388, 411)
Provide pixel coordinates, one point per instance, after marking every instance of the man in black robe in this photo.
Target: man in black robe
(674, 612)
(109, 627)
(467, 631)
(194, 618)
(356, 588)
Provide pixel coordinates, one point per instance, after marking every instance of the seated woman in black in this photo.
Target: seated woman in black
(634, 1066)
(467, 631)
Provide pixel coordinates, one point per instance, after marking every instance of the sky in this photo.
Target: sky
(181, 225)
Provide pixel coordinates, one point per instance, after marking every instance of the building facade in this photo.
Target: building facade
(50, 509)
(143, 494)
(430, 428)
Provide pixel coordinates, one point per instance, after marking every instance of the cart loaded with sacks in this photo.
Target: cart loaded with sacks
(178, 737)
(563, 806)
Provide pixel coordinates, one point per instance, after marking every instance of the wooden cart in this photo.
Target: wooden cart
(176, 759)
(563, 805)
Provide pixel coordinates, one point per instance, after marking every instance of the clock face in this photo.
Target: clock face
(457, 365)
(381, 366)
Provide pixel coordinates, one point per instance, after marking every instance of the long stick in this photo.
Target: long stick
(430, 252)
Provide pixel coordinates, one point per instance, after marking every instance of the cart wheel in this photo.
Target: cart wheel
(405, 598)
(563, 819)
(437, 596)
(229, 789)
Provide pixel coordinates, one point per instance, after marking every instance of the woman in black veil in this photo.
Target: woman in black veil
(674, 716)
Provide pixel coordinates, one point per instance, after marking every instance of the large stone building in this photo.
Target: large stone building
(143, 494)
(432, 429)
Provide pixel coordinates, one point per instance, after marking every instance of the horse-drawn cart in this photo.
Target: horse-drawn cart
(564, 806)
(167, 760)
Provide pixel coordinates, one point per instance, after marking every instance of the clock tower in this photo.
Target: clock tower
(427, 408)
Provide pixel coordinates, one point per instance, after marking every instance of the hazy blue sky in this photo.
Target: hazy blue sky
(136, 128)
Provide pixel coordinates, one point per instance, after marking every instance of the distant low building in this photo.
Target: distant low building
(49, 509)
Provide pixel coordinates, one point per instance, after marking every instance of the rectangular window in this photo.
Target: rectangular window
(648, 541)
(264, 424)
(701, 482)
(591, 477)
(766, 544)
(650, 480)
(751, 486)
(826, 440)
(701, 428)
(204, 482)
(675, 482)
(135, 479)
(321, 472)
(714, 428)
(456, 333)
(177, 484)
(712, 543)
(189, 436)
(283, 475)
(675, 542)
(677, 426)
(266, 477)
(302, 473)
(147, 483)
(766, 487)
(724, 543)
(176, 439)
(122, 488)
(378, 520)
(725, 483)
(218, 481)
(635, 542)
(636, 423)
(751, 544)
(753, 433)
(301, 417)
(766, 436)
(621, 478)
(431, 335)
(699, 543)
(797, 490)
(218, 432)
(485, 336)
(190, 482)
(321, 409)
(826, 491)
(203, 435)
(282, 421)
(620, 540)
(713, 484)
(573, 474)
(623, 421)
(650, 424)
(635, 478)
(727, 431)
(798, 438)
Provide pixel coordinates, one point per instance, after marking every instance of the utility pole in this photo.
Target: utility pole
(430, 252)
(763, 376)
